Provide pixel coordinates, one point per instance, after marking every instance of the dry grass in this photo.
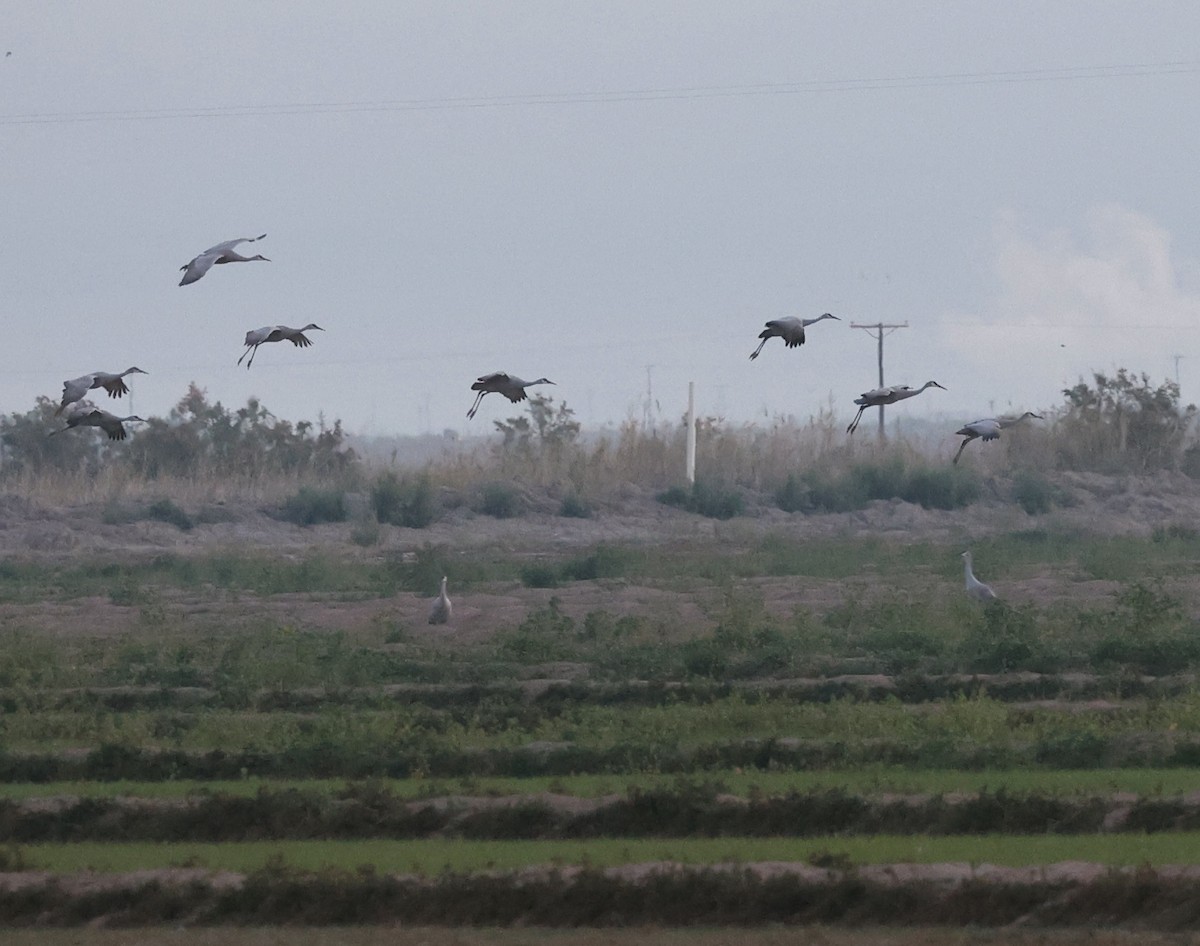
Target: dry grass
(115, 483)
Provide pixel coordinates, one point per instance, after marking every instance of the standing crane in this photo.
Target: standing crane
(276, 333)
(77, 388)
(498, 382)
(214, 255)
(111, 424)
(987, 429)
(442, 609)
(975, 588)
(790, 329)
(889, 395)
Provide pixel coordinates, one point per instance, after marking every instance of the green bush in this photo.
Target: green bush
(544, 635)
(944, 488)
(1005, 640)
(500, 501)
(1033, 492)
(311, 506)
(539, 576)
(704, 657)
(706, 499)
(404, 501)
(574, 508)
(1176, 532)
(792, 496)
(822, 490)
(166, 511)
(604, 561)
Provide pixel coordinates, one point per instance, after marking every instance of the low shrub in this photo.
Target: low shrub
(404, 500)
(539, 576)
(164, 510)
(573, 507)
(792, 496)
(311, 506)
(824, 490)
(1033, 492)
(706, 499)
(500, 501)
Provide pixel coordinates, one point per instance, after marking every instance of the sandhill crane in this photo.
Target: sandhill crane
(442, 609)
(276, 333)
(509, 385)
(987, 429)
(111, 424)
(221, 253)
(975, 588)
(77, 388)
(790, 329)
(889, 395)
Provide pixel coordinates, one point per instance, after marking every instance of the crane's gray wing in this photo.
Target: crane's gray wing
(230, 244)
(198, 267)
(76, 388)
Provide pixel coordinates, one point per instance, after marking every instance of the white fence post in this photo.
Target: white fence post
(691, 433)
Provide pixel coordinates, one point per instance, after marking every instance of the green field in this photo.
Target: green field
(435, 856)
(735, 683)
(1143, 782)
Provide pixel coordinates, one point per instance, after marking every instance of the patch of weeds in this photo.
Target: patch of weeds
(704, 657)
(941, 488)
(500, 501)
(821, 490)
(544, 635)
(365, 532)
(164, 510)
(604, 561)
(706, 499)
(1176, 532)
(404, 500)
(13, 859)
(398, 633)
(539, 576)
(118, 514)
(573, 507)
(311, 506)
(903, 649)
(127, 592)
(831, 860)
(792, 496)
(1005, 640)
(602, 626)
(1036, 494)
(212, 514)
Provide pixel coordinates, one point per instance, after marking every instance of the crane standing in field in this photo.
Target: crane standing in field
(195, 268)
(442, 609)
(975, 588)
(77, 388)
(498, 382)
(889, 395)
(275, 333)
(987, 429)
(790, 329)
(111, 424)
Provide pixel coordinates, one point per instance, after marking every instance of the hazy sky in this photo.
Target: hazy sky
(581, 190)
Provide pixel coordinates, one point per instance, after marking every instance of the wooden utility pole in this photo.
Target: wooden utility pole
(880, 331)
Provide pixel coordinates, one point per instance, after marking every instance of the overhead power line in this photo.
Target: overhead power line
(811, 87)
